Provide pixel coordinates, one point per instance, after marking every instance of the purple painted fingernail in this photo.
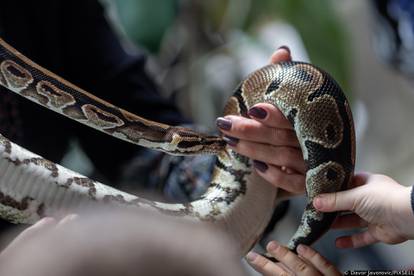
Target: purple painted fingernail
(257, 112)
(224, 124)
(261, 166)
(285, 48)
(231, 141)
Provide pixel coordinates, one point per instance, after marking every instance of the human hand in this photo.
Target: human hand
(43, 225)
(378, 203)
(268, 138)
(307, 262)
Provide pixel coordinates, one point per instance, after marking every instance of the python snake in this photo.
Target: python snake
(237, 200)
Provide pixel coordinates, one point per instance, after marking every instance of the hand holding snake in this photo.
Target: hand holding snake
(238, 200)
(269, 139)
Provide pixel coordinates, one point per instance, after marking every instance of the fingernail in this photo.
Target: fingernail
(272, 246)
(301, 249)
(231, 141)
(223, 123)
(257, 112)
(251, 256)
(285, 48)
(261, 166)
(318, 202)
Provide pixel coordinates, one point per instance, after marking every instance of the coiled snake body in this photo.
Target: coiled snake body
(237, 200)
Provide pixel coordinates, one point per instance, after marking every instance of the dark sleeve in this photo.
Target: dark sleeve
(95, 58)
(412, 198)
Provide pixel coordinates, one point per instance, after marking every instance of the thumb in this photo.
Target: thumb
(339, 201)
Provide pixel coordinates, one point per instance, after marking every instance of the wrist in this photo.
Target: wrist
(405, 212)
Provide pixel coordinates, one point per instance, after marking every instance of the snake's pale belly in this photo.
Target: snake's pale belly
(237, 200)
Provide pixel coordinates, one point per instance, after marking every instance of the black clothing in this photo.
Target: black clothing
(74, 40)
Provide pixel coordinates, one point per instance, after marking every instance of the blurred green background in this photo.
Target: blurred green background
(147, 22)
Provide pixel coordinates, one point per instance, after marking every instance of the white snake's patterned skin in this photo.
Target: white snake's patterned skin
(238, 200)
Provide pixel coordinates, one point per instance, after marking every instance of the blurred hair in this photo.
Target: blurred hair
(108, 242)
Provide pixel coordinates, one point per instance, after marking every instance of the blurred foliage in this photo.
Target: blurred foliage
(146, 22)
(317, 22)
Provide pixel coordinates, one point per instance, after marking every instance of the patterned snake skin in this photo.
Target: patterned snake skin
(237, 200)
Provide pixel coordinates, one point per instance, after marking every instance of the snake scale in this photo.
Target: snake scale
(237, 200)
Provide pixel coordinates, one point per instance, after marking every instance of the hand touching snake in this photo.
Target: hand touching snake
(237, 200)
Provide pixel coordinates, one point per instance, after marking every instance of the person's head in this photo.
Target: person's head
(108, 243)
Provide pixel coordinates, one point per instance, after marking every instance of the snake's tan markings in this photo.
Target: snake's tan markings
(41, 210)
(232, 106)
(74, 112)
(57, 97)
(238, 200)
(16, 76)
(327, 131)
(3, 81)
(6, 144)
(38, 161)
(83, 182)
(100, 118)
(9, 201)
(324, 179)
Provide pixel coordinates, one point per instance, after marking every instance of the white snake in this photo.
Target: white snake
(237, 200)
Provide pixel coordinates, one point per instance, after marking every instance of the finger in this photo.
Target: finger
(289, 157)
(269, 115)
(67, 219)
(290, 259)
(357, 240)
(339, 201)
(254, 131)
(317, 260)
(349, 221)
(293, 183)
(40, 226)
(263, 265)
(281, 54)
(359, 179)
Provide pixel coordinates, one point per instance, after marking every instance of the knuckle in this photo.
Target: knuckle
(311, 254)
(282, 135)
(281, 252)
(244, 127)
(275, 176)
(290, 153)
(261, 262)
(300, 267)
(246, 149)
(298, 185)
